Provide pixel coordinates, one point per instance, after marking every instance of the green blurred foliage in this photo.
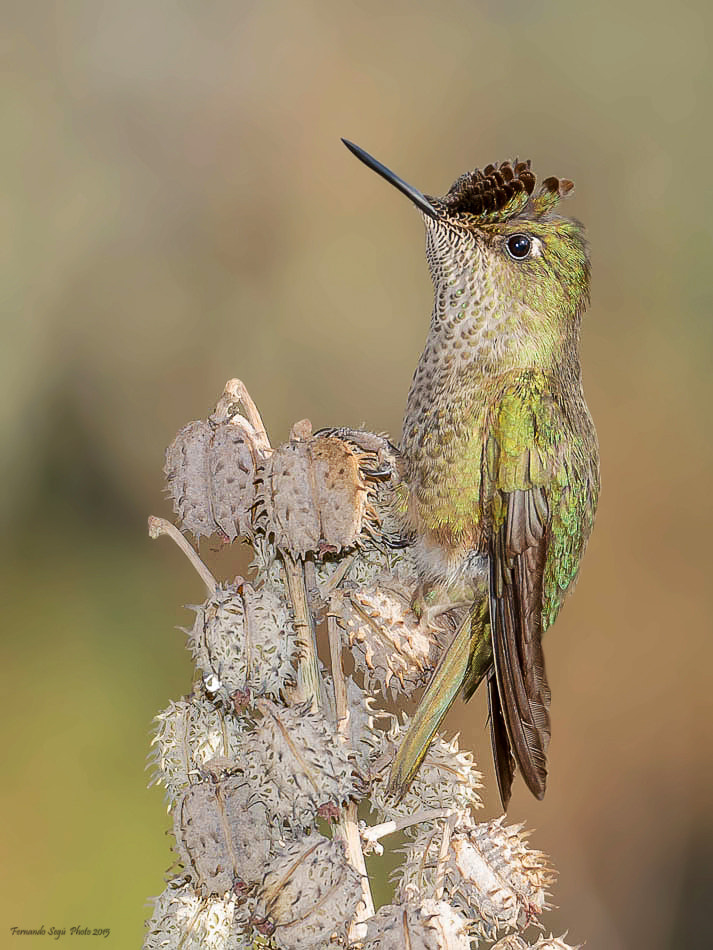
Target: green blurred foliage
(178, 209)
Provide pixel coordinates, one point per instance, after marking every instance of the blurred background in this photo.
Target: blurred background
(179, 210)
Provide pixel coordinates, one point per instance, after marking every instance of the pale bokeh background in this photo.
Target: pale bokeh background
(178, 209)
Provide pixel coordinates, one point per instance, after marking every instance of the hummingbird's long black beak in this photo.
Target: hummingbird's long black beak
(413, 193)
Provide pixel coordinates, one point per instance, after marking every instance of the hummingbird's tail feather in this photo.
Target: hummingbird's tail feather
(502, 750)
(467, 658)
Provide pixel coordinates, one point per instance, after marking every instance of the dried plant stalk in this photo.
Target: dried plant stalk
(271, 750)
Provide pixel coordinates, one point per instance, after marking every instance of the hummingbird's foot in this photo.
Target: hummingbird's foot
(431, 601)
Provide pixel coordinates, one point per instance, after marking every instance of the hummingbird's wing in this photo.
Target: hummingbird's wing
(522, 455)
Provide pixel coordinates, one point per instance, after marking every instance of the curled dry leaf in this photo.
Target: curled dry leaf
(308, 893)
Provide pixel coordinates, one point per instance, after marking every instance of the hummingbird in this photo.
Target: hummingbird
(499, 450)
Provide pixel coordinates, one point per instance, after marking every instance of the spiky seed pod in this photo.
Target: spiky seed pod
(312, 495)
(511, 942)
(428, 925)
(222, 834)
(515, 942)
(188, 735)
(295, 765)
(187, 479)
(554, 943)
(447, 777)
(210, 474)
(393, 649)
(183, 920)
(308, 893)
(233, 461)
(246, 638)
(383, 468)
(266, 566)
(373, 561)
(490, 874)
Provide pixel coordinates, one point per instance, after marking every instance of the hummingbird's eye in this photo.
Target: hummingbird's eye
(519, 246)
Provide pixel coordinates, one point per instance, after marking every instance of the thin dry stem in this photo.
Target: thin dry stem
(372, 834)
(159, 526)
(309, 682)
(440, 874)
(236, 390)
(348, 819)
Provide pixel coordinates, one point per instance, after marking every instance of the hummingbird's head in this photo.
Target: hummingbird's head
(511, 277)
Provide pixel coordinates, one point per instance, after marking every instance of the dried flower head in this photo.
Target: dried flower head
(428, 925)
(295, 765)
(489, 873)
(188, 735)
(222, 834)
(246, 638)
(309, 892)
(312, 495)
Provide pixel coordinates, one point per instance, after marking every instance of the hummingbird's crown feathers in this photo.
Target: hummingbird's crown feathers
(500, 192)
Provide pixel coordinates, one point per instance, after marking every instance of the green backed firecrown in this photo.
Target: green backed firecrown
(499, 449)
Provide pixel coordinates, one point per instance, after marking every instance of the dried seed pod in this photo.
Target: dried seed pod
(210, 474)
(188, 735)
(295, 765)
(489, 874)
(511, 942)
(308, 893)
(246, 638)
(222, 834)
(554, 943)
(515, 942)
(447, 777)
(313, 496)
(183, 920)
(428, 925)
(391, 647)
